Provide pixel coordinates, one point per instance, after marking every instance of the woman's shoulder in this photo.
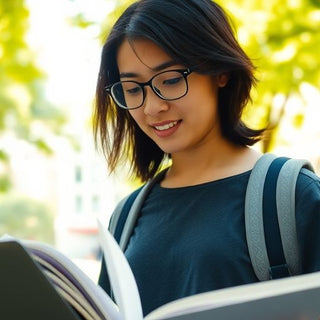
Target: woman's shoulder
(308, 189)
(308, 180)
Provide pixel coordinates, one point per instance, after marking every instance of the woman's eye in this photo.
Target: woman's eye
(134, 90)
(172, 81)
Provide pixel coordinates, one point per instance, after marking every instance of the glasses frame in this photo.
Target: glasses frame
(183, 72)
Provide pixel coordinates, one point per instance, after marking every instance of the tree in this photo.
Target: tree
(22, 101)
(284, 41)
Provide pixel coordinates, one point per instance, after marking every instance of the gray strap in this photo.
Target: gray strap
(285, 193)
(254, 217)
(135, 210)
(116, 214)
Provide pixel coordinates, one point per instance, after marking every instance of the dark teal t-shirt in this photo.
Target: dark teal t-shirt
(192, 239)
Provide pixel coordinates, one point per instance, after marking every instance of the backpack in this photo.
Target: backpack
(269, 215)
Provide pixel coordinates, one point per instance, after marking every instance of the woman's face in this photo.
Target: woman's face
(177, 126)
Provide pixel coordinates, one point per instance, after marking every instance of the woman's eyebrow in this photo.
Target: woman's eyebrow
(164, 65)
(128, 75)
(160, 67)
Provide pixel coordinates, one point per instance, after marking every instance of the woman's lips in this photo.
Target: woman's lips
(166, 128)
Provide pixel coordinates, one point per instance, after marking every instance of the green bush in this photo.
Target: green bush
(27, 219)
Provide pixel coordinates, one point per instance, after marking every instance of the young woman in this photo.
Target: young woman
(173, 82)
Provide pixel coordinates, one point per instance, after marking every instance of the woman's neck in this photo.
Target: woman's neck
(208, 165)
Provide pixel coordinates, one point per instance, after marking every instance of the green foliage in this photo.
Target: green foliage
(22, 101)
(5, 183)
(3, 156)
(291, 45)
(284, 41)
(16, 61)
(43, 146)
(27, 219)
(80, 21)
(111, 18)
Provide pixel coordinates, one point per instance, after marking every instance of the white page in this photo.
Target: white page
(121, 277)
(239, 294)
(77, 302)
(100, 297)
(74, 295)
(57, 273)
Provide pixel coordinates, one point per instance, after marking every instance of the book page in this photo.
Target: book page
(75, 275)
(121, 277)
(77, 298)
(63, 265)
(289, 298)
(50, 268)
(77, 302)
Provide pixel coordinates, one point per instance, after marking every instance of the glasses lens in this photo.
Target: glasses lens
(127, 94)
(170, 85)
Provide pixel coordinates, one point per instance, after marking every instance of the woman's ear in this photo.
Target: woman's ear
(222, 80)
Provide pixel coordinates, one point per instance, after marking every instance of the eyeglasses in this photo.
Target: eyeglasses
(167, 85)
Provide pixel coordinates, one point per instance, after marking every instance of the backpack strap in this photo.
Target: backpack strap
(254, 217)
(120, 214)
(278, 267)
(285, 195)
(126, 213)
(270, 216)
(123, 220)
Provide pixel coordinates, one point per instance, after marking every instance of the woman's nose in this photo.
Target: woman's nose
(153, 104)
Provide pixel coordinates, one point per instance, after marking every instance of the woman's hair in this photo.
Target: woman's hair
(194, 33)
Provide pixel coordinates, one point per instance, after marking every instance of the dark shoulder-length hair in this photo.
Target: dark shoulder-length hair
(195, 33)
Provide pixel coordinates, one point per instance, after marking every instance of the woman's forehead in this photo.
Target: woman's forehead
(142, 54)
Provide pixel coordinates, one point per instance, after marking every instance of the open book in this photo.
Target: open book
(291, 298)
(38, 282)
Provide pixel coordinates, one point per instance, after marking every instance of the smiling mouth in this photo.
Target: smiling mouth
(166, 126)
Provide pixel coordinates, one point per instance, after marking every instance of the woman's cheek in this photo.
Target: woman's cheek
(138, 117)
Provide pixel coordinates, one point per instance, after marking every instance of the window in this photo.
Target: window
(78, 174)
(78, 204)
(95, 204)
